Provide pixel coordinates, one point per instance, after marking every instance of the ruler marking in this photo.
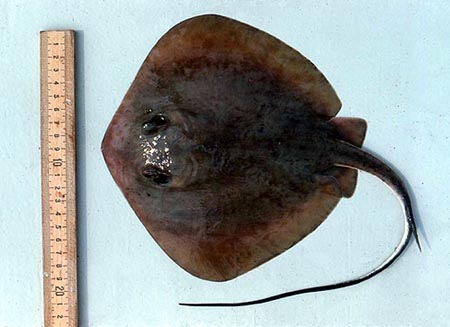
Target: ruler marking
(58, 178)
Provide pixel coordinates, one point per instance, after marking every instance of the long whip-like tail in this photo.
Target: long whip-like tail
(351, 156)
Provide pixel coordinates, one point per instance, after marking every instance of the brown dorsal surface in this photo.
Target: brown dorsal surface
(225, 146)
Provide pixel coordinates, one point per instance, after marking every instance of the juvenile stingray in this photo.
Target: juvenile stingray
(227, 148)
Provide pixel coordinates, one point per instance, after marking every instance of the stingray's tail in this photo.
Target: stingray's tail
(353, 157)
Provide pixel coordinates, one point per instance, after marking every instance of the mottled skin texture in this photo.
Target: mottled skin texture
(249, 147)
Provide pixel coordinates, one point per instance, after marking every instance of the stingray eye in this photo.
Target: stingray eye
(154, 124)
(157, 175)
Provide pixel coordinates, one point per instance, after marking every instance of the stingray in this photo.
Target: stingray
(228, 149)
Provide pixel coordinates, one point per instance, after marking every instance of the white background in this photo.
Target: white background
(389, 63)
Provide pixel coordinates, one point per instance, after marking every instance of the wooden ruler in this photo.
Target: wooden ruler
(58, 178)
